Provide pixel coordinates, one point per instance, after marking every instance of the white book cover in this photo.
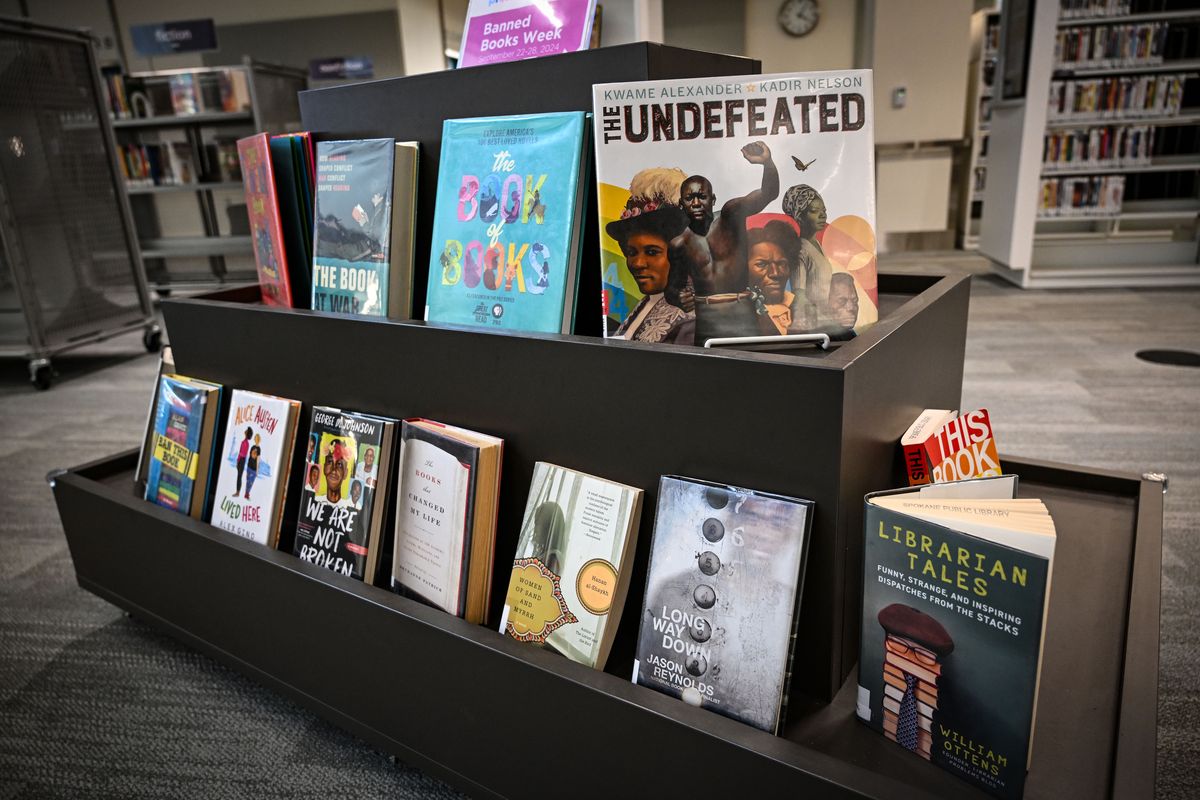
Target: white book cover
(738, 206)
(431, 519)
(253, 460)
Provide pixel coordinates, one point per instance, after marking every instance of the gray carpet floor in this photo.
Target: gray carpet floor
(93, 704)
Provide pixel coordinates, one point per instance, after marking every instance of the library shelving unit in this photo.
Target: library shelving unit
(1132, 219)
(70, 272)
(985, 29)
(202, 257)
(503, 719)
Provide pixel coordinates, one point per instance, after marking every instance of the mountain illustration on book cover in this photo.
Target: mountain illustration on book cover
(352, 230)
(737, 206)
(260, 432)
(952, 630)
(506, 228)
(344, 475)
(722, 598)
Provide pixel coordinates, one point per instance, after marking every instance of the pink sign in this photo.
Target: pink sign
(512, 30)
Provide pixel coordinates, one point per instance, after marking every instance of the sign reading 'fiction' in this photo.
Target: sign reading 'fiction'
(164, 38)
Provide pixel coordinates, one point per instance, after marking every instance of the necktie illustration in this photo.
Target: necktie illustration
(906, 725)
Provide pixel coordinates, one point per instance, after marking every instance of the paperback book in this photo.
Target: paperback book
(506, 230)
(353, 226)
(345, 483)
(962, 447)
(252, 476)
(447, 499)
(737, 206)
(404, 222)
(956, 585)
(916, 459)
(722, 598)
(180, 464)
(571, 571)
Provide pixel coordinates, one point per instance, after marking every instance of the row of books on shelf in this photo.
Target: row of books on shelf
(956, 574)
(181, 93)
(173, 163)
(1084, 196)
(1090, 9)
(1115, 45)
(1099, 146)
(508, 215)
(1117, 97)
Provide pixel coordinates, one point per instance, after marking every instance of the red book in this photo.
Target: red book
(916, 463)
(266, 229)
(963, 448)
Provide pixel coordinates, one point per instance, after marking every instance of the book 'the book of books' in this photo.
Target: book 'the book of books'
(254, 461)
(346, 473)
(722, 598)
(506, 229)
(571, 570)
(352, 229)
(955, 590)
(737, 206)
(180, 463)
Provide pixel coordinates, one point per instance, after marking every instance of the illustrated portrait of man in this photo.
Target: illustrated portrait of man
(335, 473)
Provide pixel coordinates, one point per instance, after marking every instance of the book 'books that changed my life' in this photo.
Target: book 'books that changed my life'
(956, 587)
(571, 571)
(346, 474)
(507, 222)
(447, 499)
(722, 598)
(737, 206)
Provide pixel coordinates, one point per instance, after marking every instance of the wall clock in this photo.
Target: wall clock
(798, 17)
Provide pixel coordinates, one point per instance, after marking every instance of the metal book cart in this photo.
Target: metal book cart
(70, 272)
(449, 695)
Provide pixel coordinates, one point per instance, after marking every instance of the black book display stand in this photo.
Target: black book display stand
(499, 718)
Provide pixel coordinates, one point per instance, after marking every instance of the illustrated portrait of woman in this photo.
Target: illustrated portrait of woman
(812, 270)
(651, 219)
(772, 252)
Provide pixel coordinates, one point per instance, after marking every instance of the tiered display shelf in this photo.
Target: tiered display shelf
(502, 719)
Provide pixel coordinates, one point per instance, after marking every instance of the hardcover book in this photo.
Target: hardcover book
(252, 476)
(506, 228)
(266, 226)
(447, 498)
(404, 221)
(166, 366)
(912, 443)
(722, 598)
(180, 464)
(962, 448)
(737, 206)
(353, 227)
(956, 586)
(571, 570)
(345, 485)
(512, 30)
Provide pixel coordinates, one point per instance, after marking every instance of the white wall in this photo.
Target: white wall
(829, 46)
(715, 26)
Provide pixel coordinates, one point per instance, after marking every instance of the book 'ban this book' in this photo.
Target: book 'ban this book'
(574, 556)
(180, 458)
(722, 598)
(737, 206)
(956, 586)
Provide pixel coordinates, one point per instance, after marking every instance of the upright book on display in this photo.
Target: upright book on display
(352, 230)
(506, 230)
(266, 226)
(346, 473)
(447, 498)
(722, 598)
(956, 587)
(180, 464)
(737, 206)
(574, 556)
(254, 462)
